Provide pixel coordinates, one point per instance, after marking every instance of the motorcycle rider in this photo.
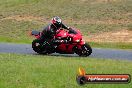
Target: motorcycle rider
(50, 30)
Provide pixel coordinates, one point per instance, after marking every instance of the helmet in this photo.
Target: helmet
(56, 21)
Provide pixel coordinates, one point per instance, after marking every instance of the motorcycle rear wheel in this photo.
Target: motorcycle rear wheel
(37, 47)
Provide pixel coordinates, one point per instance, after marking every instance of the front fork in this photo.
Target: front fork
(79, 46)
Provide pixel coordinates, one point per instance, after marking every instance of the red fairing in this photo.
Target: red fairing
(37, 36)
(76, 40)
(82, 42)
(61, 33)
(67, 48)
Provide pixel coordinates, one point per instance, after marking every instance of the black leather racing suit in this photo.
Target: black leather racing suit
(50, 30)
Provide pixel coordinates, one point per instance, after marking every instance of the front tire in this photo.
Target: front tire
(85, 50)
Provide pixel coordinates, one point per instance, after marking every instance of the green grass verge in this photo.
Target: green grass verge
(36, 71)
(117, 45)
(67, 8)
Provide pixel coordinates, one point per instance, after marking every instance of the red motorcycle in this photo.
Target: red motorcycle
(74, 44)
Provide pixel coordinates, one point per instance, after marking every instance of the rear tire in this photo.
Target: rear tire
(37, 46)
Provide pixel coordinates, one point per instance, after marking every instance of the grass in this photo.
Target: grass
(117, 45)
(67, 8)
(36, 71)
(76, 13)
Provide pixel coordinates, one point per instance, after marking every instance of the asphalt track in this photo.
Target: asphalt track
(97, 52)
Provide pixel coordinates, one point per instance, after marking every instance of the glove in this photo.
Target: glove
(69, 28)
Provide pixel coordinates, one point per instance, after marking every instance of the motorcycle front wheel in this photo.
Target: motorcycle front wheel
(85, 50)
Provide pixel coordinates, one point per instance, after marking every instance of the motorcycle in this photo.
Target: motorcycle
(74, 44)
